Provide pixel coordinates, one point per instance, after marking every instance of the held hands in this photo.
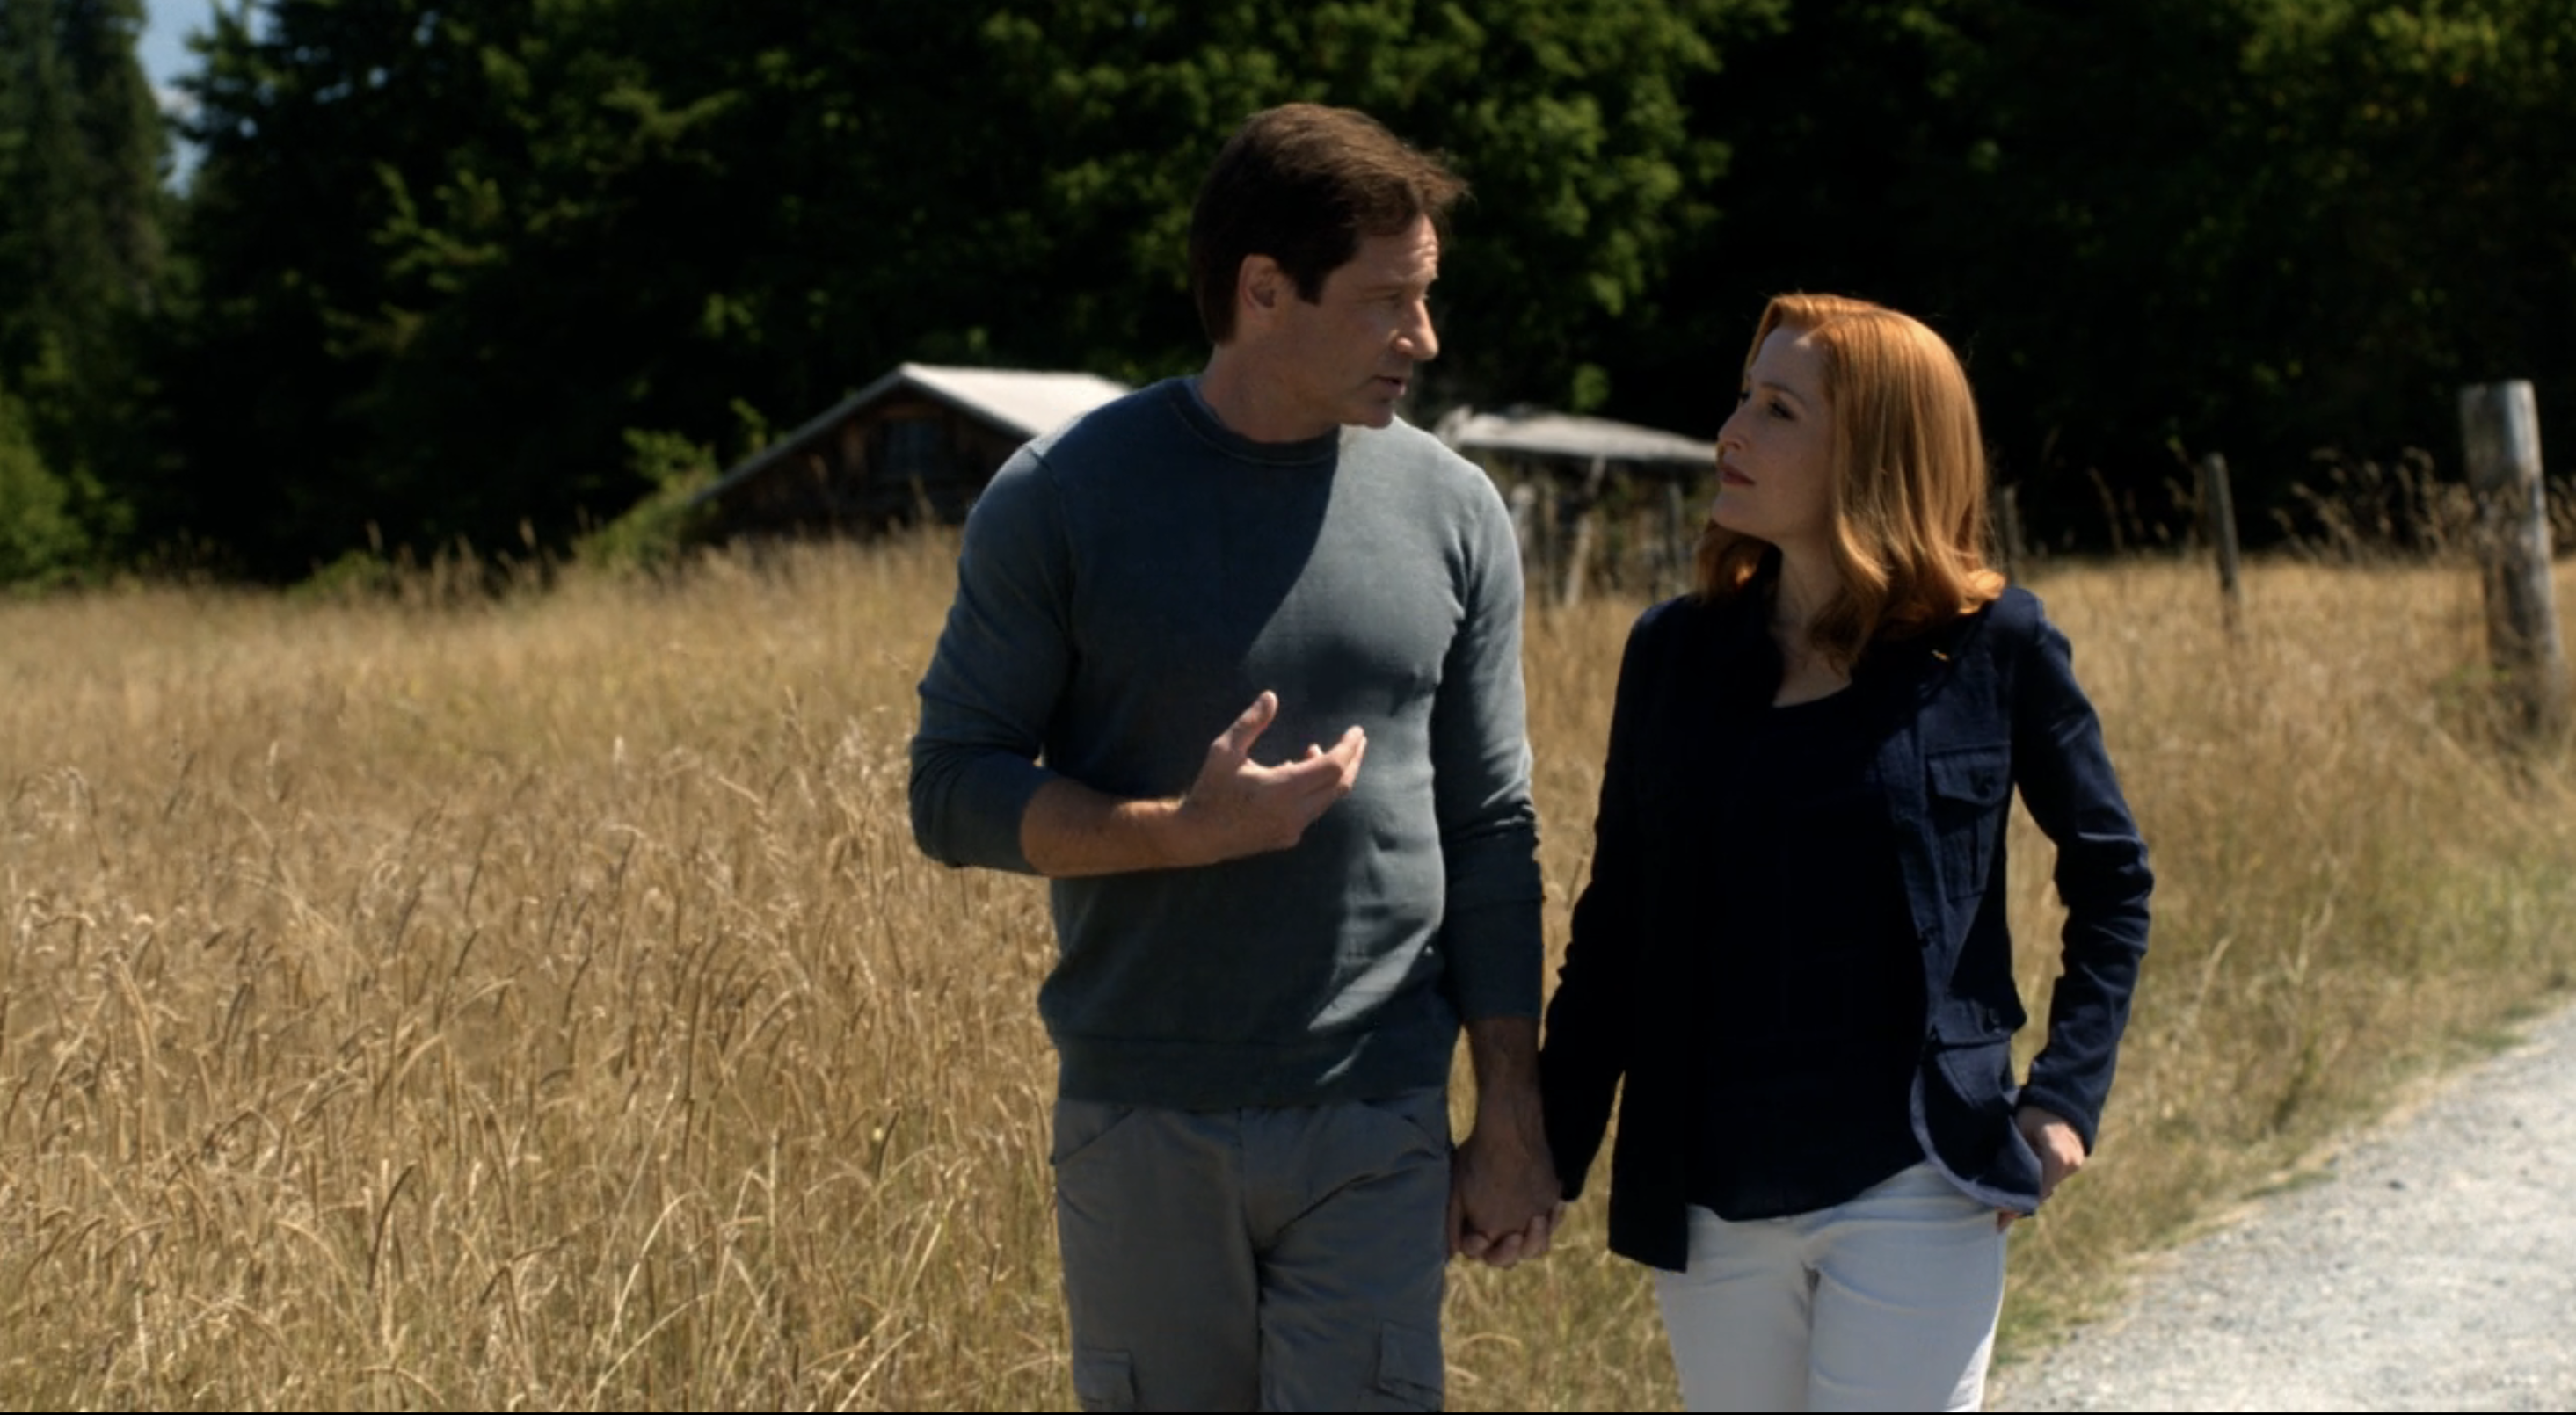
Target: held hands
(2059, 1147)
(1504, 1200)
(1239, 807)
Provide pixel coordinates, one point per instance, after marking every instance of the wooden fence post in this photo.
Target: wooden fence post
(2218, 505)
(1587, 529)
(2500, 430)
(2008, 545)
(1523, 502)
(1550, 533)
(1677, 547)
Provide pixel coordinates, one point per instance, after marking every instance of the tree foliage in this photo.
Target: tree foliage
(39, 538)
(2272, 228)
(451, 254)
(81, 150)
(445, 264)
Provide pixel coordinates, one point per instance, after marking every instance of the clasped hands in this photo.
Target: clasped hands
(1504, 1202)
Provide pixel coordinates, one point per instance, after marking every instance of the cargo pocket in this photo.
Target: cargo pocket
(1409, 1373)
(1104, 1380)
(1424, 1115)
(1080, 1125)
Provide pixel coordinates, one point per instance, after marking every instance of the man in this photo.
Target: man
(1265, 948)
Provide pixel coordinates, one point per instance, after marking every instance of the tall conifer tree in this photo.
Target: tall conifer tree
(81, 157)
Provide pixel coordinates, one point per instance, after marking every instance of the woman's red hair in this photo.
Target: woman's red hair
(1909, 479)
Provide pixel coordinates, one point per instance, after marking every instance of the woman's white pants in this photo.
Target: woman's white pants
(1886, 1302)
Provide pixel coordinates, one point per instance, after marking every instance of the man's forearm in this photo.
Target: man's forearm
(1503, 1195)
(1071, 830)
(1504, 1053)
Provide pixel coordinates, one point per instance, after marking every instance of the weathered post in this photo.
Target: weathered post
(1676, 575)
(2500, 429)
(2008, 546)
(1578, 558)
(1550, 514)
(2218, 504)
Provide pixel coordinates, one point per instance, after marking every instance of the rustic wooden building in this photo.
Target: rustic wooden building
(920, 442)
(1594, 501)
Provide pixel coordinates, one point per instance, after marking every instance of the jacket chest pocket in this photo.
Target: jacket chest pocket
(1969, 788)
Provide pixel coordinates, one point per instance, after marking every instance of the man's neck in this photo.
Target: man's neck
(1242, 396)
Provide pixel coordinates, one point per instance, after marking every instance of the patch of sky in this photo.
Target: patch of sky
(164, 54)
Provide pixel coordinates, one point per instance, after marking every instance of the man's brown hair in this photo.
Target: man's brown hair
(1304, 184)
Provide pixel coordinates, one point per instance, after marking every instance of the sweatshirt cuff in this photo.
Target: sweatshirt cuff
(984, 817)
(1495, 955)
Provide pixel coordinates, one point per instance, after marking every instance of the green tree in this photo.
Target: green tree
(323, 127)
(39, 539)
(81, 152)
(451, 255)
(2266, 227)
(1567, 119)
(2422, 194)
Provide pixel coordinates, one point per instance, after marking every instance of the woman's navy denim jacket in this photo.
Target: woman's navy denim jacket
(1963, 715)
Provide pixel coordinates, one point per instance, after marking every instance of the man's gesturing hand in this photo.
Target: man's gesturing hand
(1236, 807)
(1239, 807)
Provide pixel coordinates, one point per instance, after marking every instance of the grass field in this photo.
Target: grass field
(445, 1002)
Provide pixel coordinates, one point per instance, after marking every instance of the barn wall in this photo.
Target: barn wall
(1631, 530)
(891, 464)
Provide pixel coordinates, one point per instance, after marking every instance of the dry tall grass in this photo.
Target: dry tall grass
(541, 1003)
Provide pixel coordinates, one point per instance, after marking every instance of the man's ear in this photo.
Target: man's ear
(1260, 288)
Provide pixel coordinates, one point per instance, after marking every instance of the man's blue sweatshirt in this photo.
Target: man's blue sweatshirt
(1128, 585)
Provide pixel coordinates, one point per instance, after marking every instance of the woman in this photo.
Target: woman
(1793, 944)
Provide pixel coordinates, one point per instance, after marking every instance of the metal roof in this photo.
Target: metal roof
(1537, 432)
(1022, 401)
(1025, 401)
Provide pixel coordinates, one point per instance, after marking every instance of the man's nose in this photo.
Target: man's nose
(1420, 341)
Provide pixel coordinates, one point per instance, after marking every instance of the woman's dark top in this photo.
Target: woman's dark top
(1808, 968)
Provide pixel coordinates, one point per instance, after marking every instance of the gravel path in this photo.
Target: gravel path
(2432, 1266)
